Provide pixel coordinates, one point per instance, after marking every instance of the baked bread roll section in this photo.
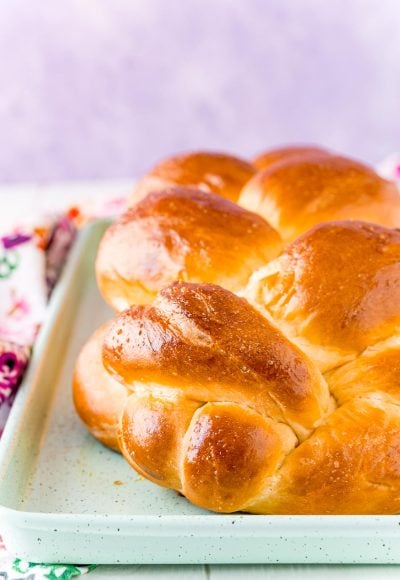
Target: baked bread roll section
(334, 291)
(350, 465)
(235, 417)
(300, 192)
(181, 234)
(220, 396)
(219, 173)
(377, 369)
(98, 398)
(204, 342)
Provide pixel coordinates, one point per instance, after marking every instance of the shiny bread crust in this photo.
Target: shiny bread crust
(302, 191)
(181, 234)
(219, 173)
(253, 367)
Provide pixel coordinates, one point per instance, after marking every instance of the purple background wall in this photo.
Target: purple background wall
(102, 88)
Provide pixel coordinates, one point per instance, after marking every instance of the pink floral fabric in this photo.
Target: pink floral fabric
(13, 362)
(30, 262)
(22, 288)
(30, 265)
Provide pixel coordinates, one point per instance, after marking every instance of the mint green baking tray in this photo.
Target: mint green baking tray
(65, 498)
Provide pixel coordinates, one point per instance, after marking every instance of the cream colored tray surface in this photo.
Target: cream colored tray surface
(65, 498)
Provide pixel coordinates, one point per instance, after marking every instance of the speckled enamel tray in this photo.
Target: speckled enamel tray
(65, 498)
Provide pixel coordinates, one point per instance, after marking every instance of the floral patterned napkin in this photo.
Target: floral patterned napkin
(31, 260)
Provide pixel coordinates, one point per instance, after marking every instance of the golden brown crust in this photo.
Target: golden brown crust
(181, 234)
(218, 394)
(223, 399)
(335, 290)
(151, 435)
(207, 344)
(350, 465)
(301, 192)
(289, 152)
(220, 173)
(377, 369)
(99, 399)
(230, 451)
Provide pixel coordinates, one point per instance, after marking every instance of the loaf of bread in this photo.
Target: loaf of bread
(253, 363)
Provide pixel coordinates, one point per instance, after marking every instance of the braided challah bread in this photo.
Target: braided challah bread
(181, 234)
(244, 374)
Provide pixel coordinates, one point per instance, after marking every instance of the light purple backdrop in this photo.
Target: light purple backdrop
(102, 88)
